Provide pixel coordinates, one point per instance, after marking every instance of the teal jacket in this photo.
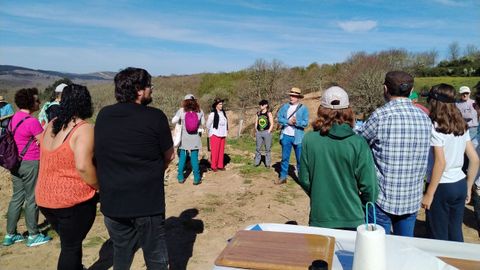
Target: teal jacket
(338, 173)
(302, 121)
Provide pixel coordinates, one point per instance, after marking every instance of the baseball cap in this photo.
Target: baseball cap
(59, 88)
(398, 82)
(464, 89)
(335, 98)
(189, 96)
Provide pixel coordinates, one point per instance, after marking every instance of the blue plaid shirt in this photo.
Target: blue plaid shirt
(399, 135)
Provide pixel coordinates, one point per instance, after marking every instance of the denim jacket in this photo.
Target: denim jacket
(302, 121)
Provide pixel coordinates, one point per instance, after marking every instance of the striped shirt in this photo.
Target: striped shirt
(399, 135)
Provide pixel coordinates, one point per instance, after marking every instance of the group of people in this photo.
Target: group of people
(387, 159)
(190, 118)
(72, 164)
(121, 161)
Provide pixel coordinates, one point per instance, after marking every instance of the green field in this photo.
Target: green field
(422, 83)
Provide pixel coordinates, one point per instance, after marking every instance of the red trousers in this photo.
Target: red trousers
(217, 148)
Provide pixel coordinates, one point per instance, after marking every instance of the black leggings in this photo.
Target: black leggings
(72, 225)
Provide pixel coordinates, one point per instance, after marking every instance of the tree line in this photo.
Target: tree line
(361, 74)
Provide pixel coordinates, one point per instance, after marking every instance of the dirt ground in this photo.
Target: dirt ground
(200, 219)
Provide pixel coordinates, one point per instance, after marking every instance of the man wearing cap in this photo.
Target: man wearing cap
(6, 108)
(466, 107)
(293, 117)
(133, 147)
(336, 166)
(399, 135)
(50, 108)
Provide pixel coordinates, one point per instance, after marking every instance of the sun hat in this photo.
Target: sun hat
(1, 98)
(216, 101)
(295, 92)
(464, 89)
(59, 88)
(189, 96)
(335, 98)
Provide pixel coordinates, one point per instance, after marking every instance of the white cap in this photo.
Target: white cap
(335, 98)
(464, 89)
(59, 88)
(189, 96)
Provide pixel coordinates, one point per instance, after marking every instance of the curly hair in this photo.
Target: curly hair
(76, 104)
(129, 81)
(25, 98)
(327, 117)
(191, 105)
(448, 118)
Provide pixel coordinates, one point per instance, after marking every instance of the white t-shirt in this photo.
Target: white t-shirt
(289, 130)
(454, 149)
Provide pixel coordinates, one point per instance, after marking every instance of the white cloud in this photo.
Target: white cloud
(358, 26)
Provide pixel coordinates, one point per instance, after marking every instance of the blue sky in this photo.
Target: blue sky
(185, 37)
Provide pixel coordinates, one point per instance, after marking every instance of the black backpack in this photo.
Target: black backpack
(9, 157)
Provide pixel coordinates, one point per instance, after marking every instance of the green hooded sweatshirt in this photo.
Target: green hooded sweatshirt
(338, 173)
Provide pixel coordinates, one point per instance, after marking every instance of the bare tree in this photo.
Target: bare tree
(362, 76)
(397, 59)
(264, 77)
(432, 56)
(453, 51)
(472, 51)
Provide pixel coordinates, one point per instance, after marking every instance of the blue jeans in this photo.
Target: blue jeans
(402, 225)
(287, 144)
(193, 161)
(445, 217)
(473, 131)
(130, 234)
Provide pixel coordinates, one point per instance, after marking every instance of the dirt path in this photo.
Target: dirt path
(200, 219)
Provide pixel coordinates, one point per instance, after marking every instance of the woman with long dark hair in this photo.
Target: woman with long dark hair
(448, 190)
(191, 117)
(67, 182)
(336, 166)
(217, 124)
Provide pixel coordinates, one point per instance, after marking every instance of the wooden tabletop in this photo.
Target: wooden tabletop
(276, 250)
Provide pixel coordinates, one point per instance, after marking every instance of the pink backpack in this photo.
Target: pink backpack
(191, 122)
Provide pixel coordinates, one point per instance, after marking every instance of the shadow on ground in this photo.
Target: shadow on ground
(181, 235)
(291, 170)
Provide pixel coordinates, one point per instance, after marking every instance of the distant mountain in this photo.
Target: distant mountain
(15, 77)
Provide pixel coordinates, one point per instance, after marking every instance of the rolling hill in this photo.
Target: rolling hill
(12, 77)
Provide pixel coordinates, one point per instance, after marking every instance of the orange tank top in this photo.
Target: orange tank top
(59, 184)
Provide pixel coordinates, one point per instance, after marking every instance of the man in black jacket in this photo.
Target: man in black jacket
(133, 147)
